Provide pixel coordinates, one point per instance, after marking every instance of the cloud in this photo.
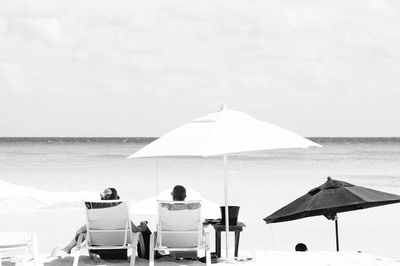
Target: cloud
(47, 30)
(31, 8)
(83, 23)
(42, 21)
(11, 78)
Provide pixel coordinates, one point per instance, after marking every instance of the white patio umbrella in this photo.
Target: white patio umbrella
(221, 133)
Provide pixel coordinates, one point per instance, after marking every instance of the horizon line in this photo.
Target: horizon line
(125, 137)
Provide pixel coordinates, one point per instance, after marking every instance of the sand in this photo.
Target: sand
(270, 258)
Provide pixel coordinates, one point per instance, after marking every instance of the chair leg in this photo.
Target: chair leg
(134, 244)
(76, 257)
(207, 247)
(133, 255)
(208, 257)
(34, 250)
(78, 250)
(151, 250)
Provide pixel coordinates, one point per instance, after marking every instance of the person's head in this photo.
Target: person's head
(301, 247)
(109, 194)
(178, 193)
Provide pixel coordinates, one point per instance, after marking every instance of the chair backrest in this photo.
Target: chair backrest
(11, 244)
(14, 239)
(108, 223)
(179, 224)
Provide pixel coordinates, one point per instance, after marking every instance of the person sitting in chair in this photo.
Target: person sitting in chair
(109, 194)
(179, 194)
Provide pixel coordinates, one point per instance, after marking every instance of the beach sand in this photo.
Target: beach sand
(270, 258)
(60, 233)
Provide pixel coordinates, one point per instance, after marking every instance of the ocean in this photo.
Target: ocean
(259, 182)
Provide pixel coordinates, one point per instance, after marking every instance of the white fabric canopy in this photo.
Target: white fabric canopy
(224, 132)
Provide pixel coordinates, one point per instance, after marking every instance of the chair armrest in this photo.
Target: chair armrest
(157, 235)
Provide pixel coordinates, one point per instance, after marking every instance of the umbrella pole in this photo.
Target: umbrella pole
(337, 233)
(226, 208)
(157, 177)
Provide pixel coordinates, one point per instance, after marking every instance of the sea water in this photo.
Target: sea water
(259, 182)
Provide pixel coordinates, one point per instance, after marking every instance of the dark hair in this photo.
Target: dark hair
(114, 194)
(301, 247)
(179, 193)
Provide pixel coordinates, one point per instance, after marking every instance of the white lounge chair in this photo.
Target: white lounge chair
(108, 228)
(180, 228)
(12, 243)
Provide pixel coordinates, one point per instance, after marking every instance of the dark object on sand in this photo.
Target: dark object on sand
(329, 199)
(301, 247)
(111, 254)
(214, 259)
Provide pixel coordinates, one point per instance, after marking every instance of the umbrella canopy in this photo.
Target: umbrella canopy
(222, 133)
(330, 198)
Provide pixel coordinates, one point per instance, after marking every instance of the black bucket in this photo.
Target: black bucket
(233, 214)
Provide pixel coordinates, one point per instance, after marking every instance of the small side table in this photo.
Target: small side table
(221, 228)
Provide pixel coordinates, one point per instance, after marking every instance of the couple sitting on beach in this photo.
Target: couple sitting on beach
(178, 194)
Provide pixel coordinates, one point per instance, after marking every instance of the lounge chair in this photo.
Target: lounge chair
(179, 228)
(109, 229)
(11, 243)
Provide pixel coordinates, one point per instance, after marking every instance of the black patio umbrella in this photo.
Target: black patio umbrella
(330, 198)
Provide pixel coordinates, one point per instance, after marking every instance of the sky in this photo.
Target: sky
(71, 68)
